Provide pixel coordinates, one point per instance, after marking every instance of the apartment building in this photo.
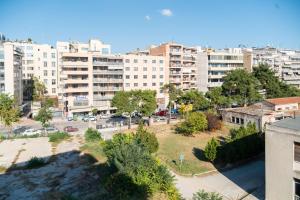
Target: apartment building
(88, 76)
(40, 61)
(182, 63)
(284, 62)
(11, 70)
(143, 71)
(282, 159)
(218, 63)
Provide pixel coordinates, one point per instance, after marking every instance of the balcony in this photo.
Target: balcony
(175, 80)
(99, 88)
(111, 64)
(76, 63)
(78, 89)
(75, 81)
(77, 72)
(113, 72)
(80, 103)
(107, 80)
(175, 58)
(99, 97)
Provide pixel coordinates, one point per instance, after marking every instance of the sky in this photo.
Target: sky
(131, 24)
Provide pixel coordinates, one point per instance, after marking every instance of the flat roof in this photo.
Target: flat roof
(288, 123)
(250, 110)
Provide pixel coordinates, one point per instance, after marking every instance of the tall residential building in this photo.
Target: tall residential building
(143, 71)
(88, 76)
(11, 70)
(284, 62)
(217, 63)
(282, 159)
(40, 61)
(181, 61)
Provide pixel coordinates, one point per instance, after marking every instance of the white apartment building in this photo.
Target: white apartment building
(40, 61)
(217, 63)
(143, 71)
(11, 70)
(284, 62)
(282, 160)
(182, 63)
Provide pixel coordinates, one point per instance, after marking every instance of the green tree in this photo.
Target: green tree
(146, 101)
(39, 89)
(44, 116)
(242, 87)
(91, 135)
(94, 111)
(9, 112)
(202, 195)
(217, 99)
(174, 94)
(210, 150)
(194, 122)
(196, 98)
(146, 139)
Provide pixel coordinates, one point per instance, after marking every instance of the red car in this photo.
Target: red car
(70, 129)
(162, 113)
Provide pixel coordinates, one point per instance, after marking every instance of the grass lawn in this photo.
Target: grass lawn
(171, 145)
(95, 149)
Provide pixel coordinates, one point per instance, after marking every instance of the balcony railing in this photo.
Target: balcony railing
(98, 88)
(107, 80)
(296, 197)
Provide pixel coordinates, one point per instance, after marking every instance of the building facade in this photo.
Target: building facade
(183, 69)
(142, 72)
(282, 160)
(11, 71)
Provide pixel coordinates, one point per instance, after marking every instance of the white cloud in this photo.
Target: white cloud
(166, 12)
(147, 17)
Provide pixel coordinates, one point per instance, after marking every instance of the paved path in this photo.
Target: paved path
(232, 184)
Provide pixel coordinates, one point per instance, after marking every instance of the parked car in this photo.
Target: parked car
(70, 118)
(51, 129)
(105, 116)
(92, 118)
(85, 119)
(70, 129)
(162, 113)
(31, 131)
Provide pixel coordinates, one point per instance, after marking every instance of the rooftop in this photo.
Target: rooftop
(288, 123)
(253, 110)
(286, 100)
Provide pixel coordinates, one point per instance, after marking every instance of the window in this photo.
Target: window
(45, 55)
(53, 90)
(144, 69)
(161, 69)
(297, 151)
(127, 84)
(161, 83)
(135, 61)
(279, 108)
(161, 76)
(153, 61)
(153, 76)
(127, 61)
(45, 81)
(297, 188)
(154, 69)
(144, 76)
(52, 55)
(161, 61)
(145, 61)
(135, 84)
(237, 120)
(53, 81)
(242, 121)
(144, 84)
(45, 73)
(233, 119)
(127, 76)
(135, 76)
(127, 69)
(53, 64)
(45, 64)
(153, 84)
(53, 73)
(135, 68)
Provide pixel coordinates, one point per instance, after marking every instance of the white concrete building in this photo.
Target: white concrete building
(11, 70)
(282, 160)
(146, 72)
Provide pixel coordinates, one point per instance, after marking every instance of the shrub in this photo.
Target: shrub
(210, 151)
(92, 135)
(202, 195)
(58, 136)
(146, 139)
(213, 121)
(35, 162)
(195, 121)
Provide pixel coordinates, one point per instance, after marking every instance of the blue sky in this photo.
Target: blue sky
(131, 24)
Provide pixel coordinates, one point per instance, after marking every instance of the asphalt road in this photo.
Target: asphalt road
(236, 183)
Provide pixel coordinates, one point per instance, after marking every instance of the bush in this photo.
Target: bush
(146, 139)
(35, 162)
(202, 195)
(210, 151)
(195, 121)
(213, 121)
(58, 136)
(91, 135)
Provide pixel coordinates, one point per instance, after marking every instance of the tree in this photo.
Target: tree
(202, 195)
(196, 98)
(91, 135)
(9, 113)
(39, 89)
(194, 122)
(210, 150)
(185, 109)
(174, 94)
(94, 111)
(146, 139)
(242, 87)
(44, 116)
(217, 99)
(213, 121)
(146, 101)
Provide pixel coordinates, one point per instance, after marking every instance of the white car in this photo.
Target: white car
(92, 118)
(51, 129)
(31, 131)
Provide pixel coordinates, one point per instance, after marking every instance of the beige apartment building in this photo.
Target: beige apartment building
(183, 70)
(143, 71)
(11, 70)
(282, 160)
(40, 61)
